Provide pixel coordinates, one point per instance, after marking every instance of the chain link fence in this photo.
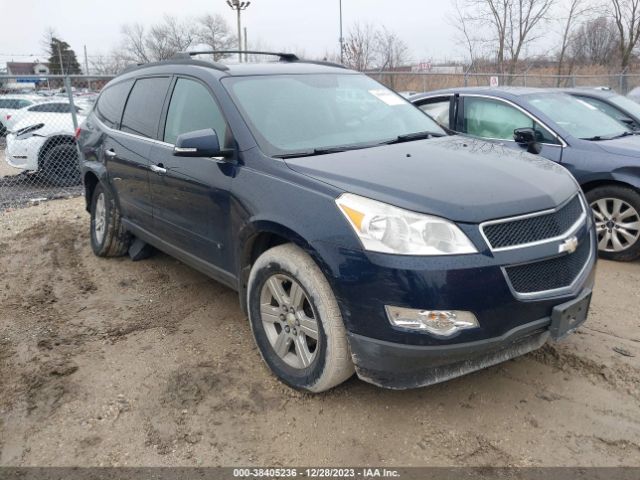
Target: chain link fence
(429, 81)
(38, 151)
(39, 116)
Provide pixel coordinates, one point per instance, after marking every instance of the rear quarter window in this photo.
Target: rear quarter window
(111, 103)
(144, 106)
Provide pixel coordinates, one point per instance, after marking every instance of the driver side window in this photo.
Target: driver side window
(193, 108)
(494, 119)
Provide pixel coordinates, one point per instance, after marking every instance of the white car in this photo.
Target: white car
(41, 108)
(9, 105)
(45, 142)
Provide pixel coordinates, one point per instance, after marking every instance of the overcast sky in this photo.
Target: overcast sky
(308, 25)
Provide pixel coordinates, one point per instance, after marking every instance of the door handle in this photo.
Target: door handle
(158, 169)
(110, 153)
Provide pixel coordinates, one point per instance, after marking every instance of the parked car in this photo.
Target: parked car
(357, 233)
(43, 140)
(43, 109)
(9, 105)
(600, 152)
(610, 103)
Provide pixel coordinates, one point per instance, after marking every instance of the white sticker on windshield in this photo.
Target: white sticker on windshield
(587, 104)
(387, 97)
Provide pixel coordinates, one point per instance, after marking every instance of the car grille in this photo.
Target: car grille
(503, 234)
(550, 274)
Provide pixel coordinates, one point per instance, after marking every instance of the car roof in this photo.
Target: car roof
(220, 70)
(495, 91)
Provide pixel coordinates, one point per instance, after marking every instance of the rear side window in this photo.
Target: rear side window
(111, 103)
(193, 108)
(144, 106)
(51, 108)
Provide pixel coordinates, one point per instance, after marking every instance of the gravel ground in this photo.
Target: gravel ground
(110, 362)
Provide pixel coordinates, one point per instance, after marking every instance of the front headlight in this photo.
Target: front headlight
(388, 229)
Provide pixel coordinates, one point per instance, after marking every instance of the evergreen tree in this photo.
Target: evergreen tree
(60, 49)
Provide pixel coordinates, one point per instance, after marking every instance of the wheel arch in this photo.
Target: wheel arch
(260, 237)
(54, 141)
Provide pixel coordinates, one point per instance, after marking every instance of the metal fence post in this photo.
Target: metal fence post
(74, 117)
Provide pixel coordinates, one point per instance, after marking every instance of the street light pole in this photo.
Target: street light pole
(341, 37)
(238, 6)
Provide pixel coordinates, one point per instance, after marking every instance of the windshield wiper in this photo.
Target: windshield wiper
(599, 138)
(410, 137)
(324, 151)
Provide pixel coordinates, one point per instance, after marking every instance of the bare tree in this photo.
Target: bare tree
(577, 8)
(360, 47)
(626, 15)
(214, 32)
(594, 42)
(110, 64)
(505, 26)
(159, 42)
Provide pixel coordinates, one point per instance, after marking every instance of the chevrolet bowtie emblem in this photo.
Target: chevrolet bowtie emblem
(569, 245)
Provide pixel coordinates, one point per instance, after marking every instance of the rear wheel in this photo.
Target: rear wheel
(109, 238)
(296, 321)
(60, 165)
(617, 216)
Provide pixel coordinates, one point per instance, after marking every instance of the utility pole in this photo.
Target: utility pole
(341, 37)
(60, 59)
(238, 6)
(86, 67)
(246, 46)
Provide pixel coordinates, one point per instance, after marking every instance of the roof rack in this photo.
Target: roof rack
(284, 57)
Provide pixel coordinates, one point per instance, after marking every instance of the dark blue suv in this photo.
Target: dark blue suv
(358, 235)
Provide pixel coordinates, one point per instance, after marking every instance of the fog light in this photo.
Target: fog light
(436, 322)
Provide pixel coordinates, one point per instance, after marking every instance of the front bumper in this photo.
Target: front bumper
(23, 153)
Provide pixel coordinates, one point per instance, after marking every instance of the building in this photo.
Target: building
(26, 74)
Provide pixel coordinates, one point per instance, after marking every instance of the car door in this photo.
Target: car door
(127, 149)
(495, 119)
(191, 194)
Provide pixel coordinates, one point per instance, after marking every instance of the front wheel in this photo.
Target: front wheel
(617, 216)
(296, 321)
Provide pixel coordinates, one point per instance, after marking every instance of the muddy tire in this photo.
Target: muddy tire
(296, 321)
(109, 238)
(617, 216)
(60, 166)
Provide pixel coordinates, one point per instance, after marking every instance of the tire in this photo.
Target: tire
(108, 236)
(325, 361)
(617, 215)
(60, 165)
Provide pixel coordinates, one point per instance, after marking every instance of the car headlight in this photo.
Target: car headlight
(25, 131)
(388, 229)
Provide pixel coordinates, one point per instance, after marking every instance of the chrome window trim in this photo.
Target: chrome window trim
(572, 229)
(555, 291)
(131, 135)
(516, 106)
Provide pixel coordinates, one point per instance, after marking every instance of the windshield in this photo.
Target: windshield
(626, 104)
(299, 113)
(576, 116)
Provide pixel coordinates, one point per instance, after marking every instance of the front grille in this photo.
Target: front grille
(551, 274)
(533, 229)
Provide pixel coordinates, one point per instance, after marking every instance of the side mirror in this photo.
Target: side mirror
(200, 143)
(527, 137)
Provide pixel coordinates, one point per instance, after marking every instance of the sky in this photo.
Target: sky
(311, 26)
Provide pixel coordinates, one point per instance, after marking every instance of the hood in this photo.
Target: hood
(460, 179)
(627, 146)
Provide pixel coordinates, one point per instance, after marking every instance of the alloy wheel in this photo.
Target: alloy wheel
(289, 321)
(100, 218)
(617, 224)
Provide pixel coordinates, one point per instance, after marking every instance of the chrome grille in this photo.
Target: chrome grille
(533, 228)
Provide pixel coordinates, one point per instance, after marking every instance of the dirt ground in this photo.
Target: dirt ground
(109, 362)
